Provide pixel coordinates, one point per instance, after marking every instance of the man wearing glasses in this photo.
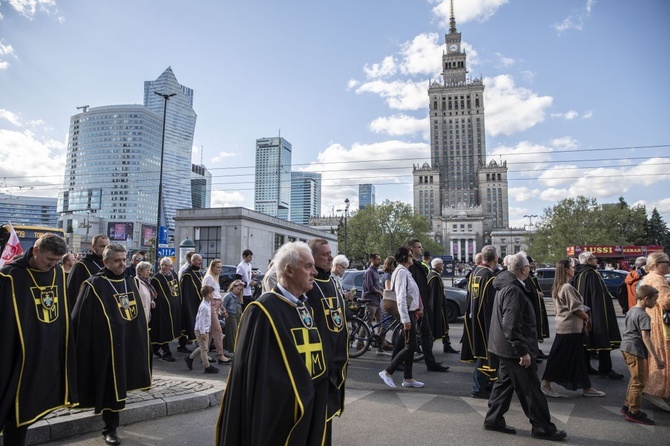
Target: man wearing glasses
(604, 334)
(138, 257)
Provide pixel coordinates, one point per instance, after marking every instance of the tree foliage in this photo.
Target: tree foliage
(382, 229)
(582, 221)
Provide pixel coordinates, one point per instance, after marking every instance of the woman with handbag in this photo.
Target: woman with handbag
(408, 301)
(567, 364)
(657, 386)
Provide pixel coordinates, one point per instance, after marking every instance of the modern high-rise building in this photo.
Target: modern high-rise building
(31, 211)
(272, 192)
(463, 196)
(111, 169)
(201, 186)
(305, 196)
(179, 130)
(366, 195)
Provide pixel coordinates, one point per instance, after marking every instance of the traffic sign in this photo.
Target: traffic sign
(165, 252)
(163, 235)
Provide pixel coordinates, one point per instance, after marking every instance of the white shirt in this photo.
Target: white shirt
(209, 280)
(244, 271)
(182, 269)
(405, 286)
(203, 320)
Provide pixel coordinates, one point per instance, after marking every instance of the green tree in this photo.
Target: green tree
(382, 228)
(657, 231)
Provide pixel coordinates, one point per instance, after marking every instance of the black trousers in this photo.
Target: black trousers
(403, 350)
(13, 435)
(426, 339)
(513, 378)
(604, 360)
(111, 420)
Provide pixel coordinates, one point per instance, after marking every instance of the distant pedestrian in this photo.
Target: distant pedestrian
(632, 279)
(166, 316)
(244, 273)
(635, 347)
(212, 279)
(147, 291)
(190, 284)
(513, 340)
(135, 259)
(203, 324)
(90, 264)
(187, 263)
(232, 303)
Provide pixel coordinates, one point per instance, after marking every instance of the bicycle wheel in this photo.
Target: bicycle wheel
(418, 353)
(359, 337)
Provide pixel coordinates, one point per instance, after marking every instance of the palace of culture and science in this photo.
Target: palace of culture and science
(463, 196)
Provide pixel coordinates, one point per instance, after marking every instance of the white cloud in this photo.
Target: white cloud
(517, 211)
(522, 193)
(564, 143)
(400, 124)
(353, 83)
(10, 117)
(29, 8)
(525, 157)
(43, 169)
(587, 115)
(505, 61)
(572, 114)
(559, 175)
(528, 76)
(468, 10)
(422, 55)
(5, 50)
(511, 109)
(222, 198)
(386, 68)
(223, 155)
(576, 20)
(342, 168)
(400, 95)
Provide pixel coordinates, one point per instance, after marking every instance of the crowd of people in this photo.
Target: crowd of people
(98, 325)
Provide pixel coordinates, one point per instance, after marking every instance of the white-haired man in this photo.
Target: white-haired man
(278, 383)
(513, 340)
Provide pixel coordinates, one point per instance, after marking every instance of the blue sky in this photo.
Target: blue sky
(345, 81)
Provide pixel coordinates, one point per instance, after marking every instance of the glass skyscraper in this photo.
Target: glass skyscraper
(201, 186)
(305, 196)
(366, 195)
(111, 169)
(272, 192)
(33, 211)
(179, 130)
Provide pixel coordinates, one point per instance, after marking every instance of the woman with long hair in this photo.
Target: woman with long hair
(408, 299)
(232, 304)
(657, 385)
(212, 279)
(566, 364)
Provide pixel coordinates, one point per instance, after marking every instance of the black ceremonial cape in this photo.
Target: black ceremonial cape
(82, 270)
(541, 319)
(438, 316)
(327, 303)
(37, 367)
(112, 341)
(165, 321)
(604, 334)
(481, 295)
(277, 389)
(190, 284)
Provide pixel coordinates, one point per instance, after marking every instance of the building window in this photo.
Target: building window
(209, 245)
(279, 241)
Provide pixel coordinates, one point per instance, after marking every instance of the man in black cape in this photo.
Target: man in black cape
(112, 340)
(37, 355)
(424, 330)
(328, 306)
(86, 267)
(604, 334)
(190, 285)
(438, 321)
(166, 317)
(481, 295)
(277, 390)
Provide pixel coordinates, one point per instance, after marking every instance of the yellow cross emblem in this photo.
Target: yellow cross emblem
(311, 352)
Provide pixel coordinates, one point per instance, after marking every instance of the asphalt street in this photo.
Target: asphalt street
(441, 413)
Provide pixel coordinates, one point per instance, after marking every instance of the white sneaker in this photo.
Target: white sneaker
(593, 392)
(387, 379)
(548, 391)
(413, 383)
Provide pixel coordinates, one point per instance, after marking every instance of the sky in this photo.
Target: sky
(576, 91)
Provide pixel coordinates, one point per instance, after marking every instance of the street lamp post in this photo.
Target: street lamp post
(530, 221)
(166, 97)
(346, 215)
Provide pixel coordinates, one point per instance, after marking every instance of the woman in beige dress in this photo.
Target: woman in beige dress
(657, 387)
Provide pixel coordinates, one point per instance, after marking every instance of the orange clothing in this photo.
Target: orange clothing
(631, 280)
(658, 381)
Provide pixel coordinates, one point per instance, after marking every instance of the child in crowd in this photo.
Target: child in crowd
(635, 347)
(203, 323)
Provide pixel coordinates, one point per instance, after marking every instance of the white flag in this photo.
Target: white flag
(12, 248)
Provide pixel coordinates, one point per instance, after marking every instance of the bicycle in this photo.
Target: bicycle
(363, 335)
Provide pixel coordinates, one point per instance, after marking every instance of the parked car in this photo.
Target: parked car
(456, 302)
(226, 276)
(461, 283)
(612, 279)
(353, 278)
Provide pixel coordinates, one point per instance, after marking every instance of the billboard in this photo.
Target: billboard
(148, 233)
(120, 232)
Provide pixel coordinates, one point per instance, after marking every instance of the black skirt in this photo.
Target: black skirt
(566, 364)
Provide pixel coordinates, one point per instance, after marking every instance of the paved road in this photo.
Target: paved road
(441, 413)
